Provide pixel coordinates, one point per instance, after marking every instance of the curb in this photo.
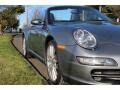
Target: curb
(46, 82)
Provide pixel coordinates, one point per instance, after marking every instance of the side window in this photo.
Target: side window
(88, 15)
(83, 15)
(77, 15)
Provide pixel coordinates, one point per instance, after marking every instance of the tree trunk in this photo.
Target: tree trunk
(1, 29)
(100, 8)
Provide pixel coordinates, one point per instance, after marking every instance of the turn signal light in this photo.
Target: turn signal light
(61, 46)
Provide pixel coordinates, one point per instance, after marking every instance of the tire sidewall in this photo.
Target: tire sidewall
(26, 54)
(24, 50)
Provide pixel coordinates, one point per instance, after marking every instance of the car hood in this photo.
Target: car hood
(104, 32)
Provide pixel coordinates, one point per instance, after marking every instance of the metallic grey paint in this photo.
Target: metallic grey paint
(107, 35)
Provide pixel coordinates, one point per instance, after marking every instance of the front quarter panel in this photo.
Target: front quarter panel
(62, 35)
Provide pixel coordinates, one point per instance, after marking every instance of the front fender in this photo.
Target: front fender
(63, 36)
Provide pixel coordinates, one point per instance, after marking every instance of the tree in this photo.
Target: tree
(115, 9)
(36, 14)
(98, 7)
(8, 16)
(0, 25)
(112, 11)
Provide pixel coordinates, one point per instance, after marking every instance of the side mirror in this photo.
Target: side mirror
(37, 22)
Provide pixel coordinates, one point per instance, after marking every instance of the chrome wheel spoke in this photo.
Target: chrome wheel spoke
(52, 63)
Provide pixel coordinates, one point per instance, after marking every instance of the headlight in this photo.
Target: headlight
(84, 39)
(96, 61)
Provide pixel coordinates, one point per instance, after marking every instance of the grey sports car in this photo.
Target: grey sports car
(77, 43)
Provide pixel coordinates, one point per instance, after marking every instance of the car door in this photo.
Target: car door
(36, 40)
(40, 46)
(32, 37)
(42, 33)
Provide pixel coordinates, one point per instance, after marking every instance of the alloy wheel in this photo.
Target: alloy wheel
(52, 63)
(24, 47)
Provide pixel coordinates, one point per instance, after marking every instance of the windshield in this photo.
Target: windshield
(76, 14)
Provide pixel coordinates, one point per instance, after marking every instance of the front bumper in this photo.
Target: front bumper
(72, 69)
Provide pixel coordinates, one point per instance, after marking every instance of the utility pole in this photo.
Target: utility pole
(100, 8)
(27, 15)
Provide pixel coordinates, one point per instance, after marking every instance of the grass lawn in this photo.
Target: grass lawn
(14, 69)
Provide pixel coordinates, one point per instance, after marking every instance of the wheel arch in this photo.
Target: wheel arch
(23, 35)
(48, 39)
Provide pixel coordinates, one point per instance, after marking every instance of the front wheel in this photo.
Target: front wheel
(54, 73)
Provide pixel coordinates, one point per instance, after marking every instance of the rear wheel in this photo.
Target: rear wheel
(54, 73)
(25, 52)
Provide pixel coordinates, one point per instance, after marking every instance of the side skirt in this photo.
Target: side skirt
(37, 56)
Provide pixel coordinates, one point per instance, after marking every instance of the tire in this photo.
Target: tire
(52, 64)
(26, 54)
